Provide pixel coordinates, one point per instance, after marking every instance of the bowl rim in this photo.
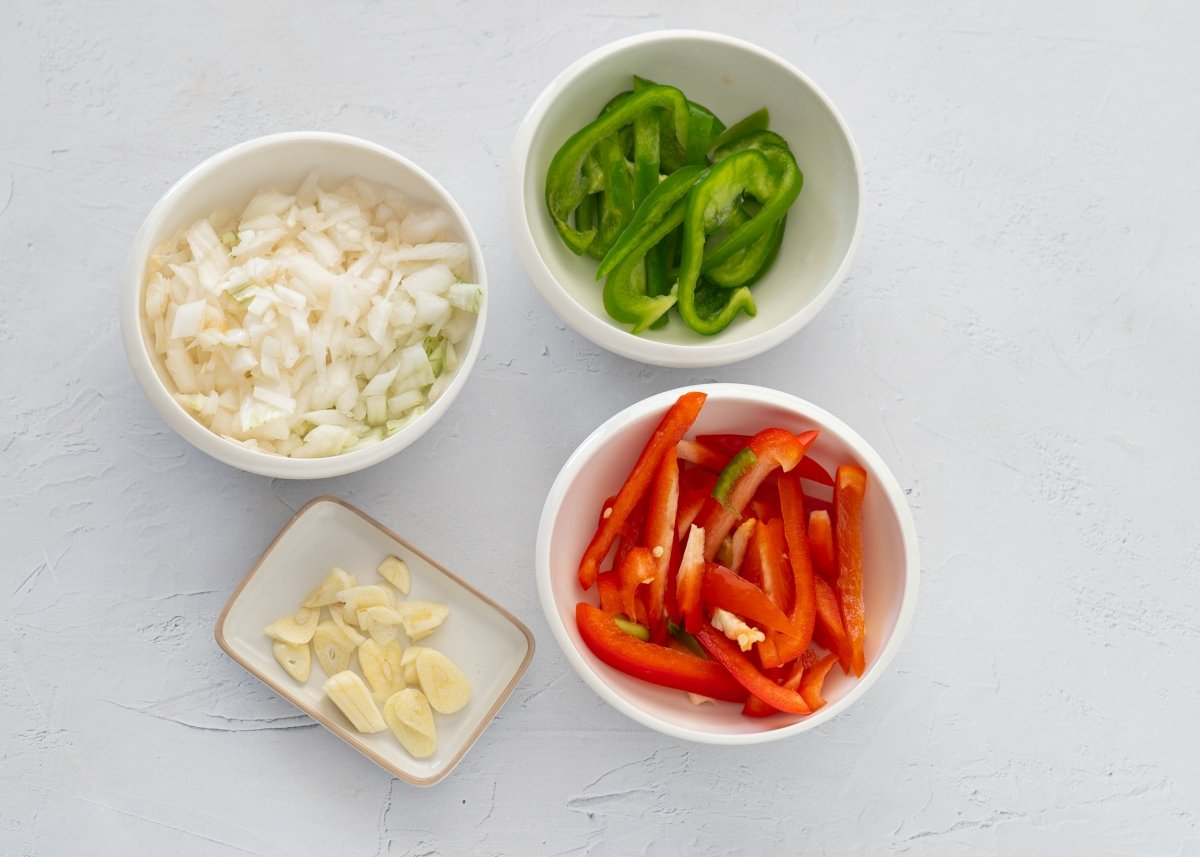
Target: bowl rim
(141, 362)
(599, 330)
(658, 403)
(336, 726)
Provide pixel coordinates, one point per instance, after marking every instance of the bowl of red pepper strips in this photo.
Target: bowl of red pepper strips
(661, 234)
(727, 563)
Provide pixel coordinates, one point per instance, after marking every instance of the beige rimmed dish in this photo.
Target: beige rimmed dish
(487, 642)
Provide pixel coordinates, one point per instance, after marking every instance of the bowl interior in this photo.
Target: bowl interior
(731, 79)
(229, 181)
(599, 467)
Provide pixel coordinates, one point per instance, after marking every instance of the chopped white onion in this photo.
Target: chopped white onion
(315, 322)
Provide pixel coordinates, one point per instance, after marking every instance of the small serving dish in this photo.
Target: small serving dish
(732, 78)
(597, 469)
(491, 646)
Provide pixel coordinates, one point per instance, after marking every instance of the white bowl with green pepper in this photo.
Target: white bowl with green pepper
(685, 198)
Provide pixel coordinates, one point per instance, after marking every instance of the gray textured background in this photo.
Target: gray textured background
(1018, 339)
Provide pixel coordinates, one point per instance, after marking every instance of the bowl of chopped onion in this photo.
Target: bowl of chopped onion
(304, 305)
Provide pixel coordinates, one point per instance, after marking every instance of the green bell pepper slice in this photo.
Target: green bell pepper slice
(748, 265)
(756, 121)
(703, 129)
(626, 295)
(649, 215)
(567, 178)
(770, 176)
(768, 173)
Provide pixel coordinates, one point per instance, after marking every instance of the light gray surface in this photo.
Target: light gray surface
(1018, 339)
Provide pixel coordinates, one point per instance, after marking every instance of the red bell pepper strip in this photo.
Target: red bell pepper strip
(671, 429)
(829, 632)
(660, 538)
(610, 592)
(631, 534)
(722, 588)
(791, 679)
(689, 580)
(604, 507)
(848, 499)
(814, 681)
(695, 490)
(697, 453)
(653, 663)
(727, 653)
(804, 607)
(754, 706)
(820, 544)
(637, 568)
(769, 450)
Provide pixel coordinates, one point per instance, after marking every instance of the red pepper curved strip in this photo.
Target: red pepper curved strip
(724, 589)
(653, 663)
(674, 425)
(829, 632)
(637, 568)
(695, 490)
(660, 538)
(848, 495)
(771, 449)
(771, 556)
(769, 545)
(727, 653)
(731, 444)
(791, 679)
(814, 681)
(804, 608)
(820, 543)
(610, 592)
(631, 534)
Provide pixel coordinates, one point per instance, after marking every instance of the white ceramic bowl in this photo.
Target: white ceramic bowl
(596, 470)
(228, 180)
(487, 642)
(732, 78)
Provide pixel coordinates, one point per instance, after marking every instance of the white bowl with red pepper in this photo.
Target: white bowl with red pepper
(727, 564)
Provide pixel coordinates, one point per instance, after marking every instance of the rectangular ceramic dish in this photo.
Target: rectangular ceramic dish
(487, 642)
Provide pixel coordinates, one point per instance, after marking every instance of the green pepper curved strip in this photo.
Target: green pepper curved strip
(756, 121)
(748, 265)
(615, 208)
(585, 219)
(709, 309)
(625, 135)
(770, 176)
(777, 176)
(625, 295)
(752, 140)
(645, 155)
(649, 214)
(703, 129)
(566, 181)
